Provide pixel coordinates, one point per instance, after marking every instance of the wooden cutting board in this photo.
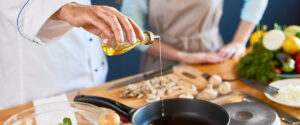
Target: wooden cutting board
(187, 75)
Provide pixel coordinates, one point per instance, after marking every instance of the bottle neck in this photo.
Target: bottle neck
(150, 38)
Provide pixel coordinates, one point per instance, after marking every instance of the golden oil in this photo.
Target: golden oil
(117, 48)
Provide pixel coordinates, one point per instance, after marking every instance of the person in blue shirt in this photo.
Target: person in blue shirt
(189, 30)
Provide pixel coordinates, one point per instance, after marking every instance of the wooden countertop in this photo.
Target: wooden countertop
(225, 70)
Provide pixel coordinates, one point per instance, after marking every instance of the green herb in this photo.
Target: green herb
(258, 65)
(66, 121)
(277, 26)
(298, 35)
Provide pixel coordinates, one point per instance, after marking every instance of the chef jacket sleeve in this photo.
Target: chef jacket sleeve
(136, 10)
(31, 17)
(253, 10)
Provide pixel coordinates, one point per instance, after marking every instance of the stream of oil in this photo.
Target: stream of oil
(160, 63)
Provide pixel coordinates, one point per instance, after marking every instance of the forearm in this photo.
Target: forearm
(167, 51)
(243, 31)
(171, 53)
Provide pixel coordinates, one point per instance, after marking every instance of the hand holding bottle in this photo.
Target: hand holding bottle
(99, 20)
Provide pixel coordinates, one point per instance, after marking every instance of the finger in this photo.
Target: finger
(223, 52)
(128, 29)
(92, 29)
(215, 59)
(138, 31)
(239, 53)
(219, 59)
(124, 21)
(101, 25)
(229, 54)
(106, 40)
(113, 22)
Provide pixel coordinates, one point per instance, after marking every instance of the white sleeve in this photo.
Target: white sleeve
(253, 10)
(29, 16)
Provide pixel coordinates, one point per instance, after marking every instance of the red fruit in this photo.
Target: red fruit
(297, 60)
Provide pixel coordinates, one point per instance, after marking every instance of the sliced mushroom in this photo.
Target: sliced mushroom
(152, 89)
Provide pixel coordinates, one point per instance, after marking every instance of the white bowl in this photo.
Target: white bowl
(54, 113)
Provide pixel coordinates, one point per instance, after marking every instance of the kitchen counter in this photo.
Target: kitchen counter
(225, 70)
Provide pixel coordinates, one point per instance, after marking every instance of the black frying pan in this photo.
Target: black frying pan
(176, 111)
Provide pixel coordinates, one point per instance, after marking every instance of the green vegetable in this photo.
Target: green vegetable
(66, 121)
(289, 66)
(277, 26)
(298, 34)
(258, 65)
(291, 30)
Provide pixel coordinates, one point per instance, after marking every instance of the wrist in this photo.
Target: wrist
(181, 56)
(239, 42)
(61, 13)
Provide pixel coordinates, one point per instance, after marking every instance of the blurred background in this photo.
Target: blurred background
(281, 11)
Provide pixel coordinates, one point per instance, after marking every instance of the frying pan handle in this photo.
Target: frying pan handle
(120, 108)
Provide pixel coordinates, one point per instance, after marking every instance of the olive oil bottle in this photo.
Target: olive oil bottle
(112, 47)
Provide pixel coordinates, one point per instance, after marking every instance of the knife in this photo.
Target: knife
(261, 86)
(283, 116)
(143, 77)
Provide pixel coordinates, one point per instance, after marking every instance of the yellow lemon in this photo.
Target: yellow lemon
(255, 37)
(291, 45)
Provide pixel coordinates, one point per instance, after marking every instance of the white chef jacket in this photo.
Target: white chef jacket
(40, 57)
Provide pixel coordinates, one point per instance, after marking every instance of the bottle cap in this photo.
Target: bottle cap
(152, 37)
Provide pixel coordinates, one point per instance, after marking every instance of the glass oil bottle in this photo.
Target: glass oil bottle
(112, 47)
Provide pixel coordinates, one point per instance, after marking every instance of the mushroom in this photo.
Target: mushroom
(224, 88)
(152, 98)
(186, 95)
(208, 93)
(109, 118)
(194, 89)
(152, 89)
(215, 80)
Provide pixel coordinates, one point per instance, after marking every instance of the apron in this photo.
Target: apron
(187, 25)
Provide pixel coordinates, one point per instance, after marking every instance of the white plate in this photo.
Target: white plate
(280, 84)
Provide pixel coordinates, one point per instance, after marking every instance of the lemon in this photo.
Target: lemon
(291, 45)
(255, 37)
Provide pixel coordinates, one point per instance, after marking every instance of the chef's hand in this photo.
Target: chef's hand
(100, 20)
(232, 50)
(200, 58)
